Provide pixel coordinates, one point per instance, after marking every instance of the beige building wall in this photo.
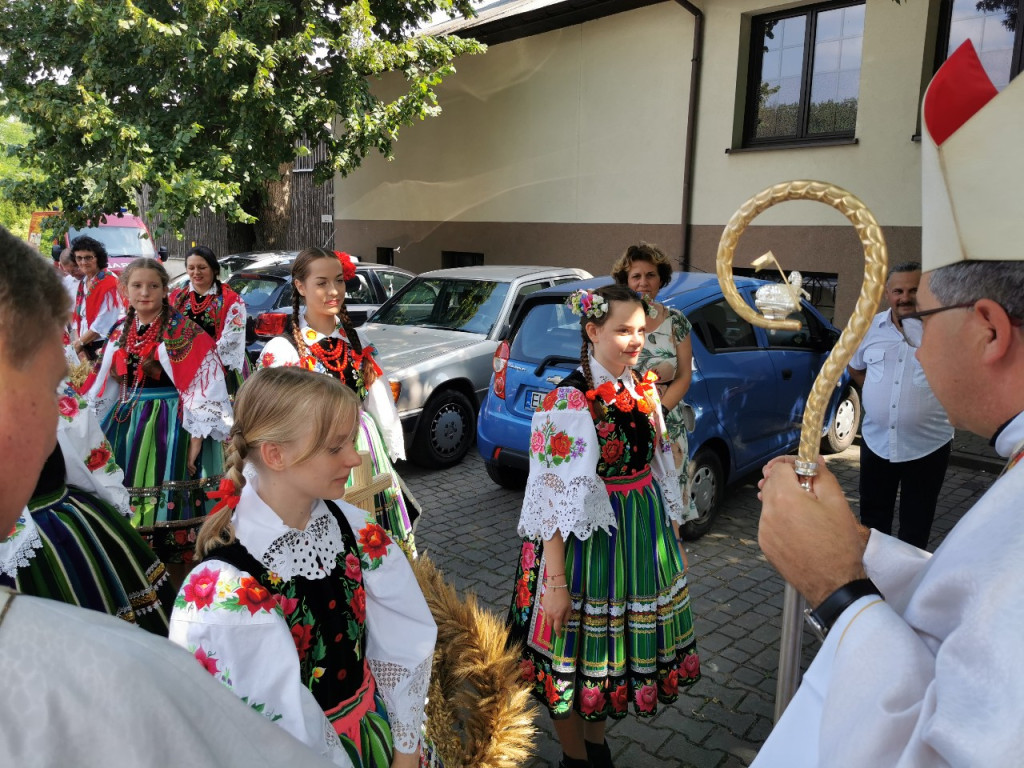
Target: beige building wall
(556, 148)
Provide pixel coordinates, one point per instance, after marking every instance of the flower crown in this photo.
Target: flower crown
(348, 269)
(585, 303)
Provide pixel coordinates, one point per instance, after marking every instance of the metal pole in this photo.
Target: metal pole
(789, 649)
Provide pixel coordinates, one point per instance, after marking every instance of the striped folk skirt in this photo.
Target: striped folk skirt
(92, 557)
(151, 446)
(390, 506)
(629, 640)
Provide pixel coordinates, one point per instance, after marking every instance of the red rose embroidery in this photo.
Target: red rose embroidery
(561, 444)
(670, 683)
(620, 698)
(353, 569)
(646, 696)
(550, 691)
(268, 359)
(98, 458)
(68, 406)
(358, 604)
(374, 541)
(209, 663)
(255, 596)
(605, 428)
(691, 665)
(180, 536)
(591, 700)
(302, 634)
(201, 588)
(612, 451)
(527, 671)
(550, 400)
(522, 594)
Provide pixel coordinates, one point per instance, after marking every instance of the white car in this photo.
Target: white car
(436, 339)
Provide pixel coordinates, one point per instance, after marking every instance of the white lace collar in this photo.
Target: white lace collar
(287, 552)
(16, 551)
(601, 375)
(207, 292)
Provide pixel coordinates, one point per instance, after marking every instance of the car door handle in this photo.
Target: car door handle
(787, 374)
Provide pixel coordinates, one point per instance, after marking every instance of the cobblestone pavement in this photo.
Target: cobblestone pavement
(469, 531)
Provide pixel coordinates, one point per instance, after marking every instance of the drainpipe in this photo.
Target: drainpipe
(691, 126)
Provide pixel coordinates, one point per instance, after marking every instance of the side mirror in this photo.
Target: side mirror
(55, 251)
(162, 252)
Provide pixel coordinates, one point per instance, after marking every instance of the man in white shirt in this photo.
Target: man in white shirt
(81, 688)
(931, 673)
(72, 274)
(907, 436)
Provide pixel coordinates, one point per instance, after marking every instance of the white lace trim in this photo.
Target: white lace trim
(311, 553)
(578, 507)
(405, 711)
(16, 551)
(231, 344)
(205, 408)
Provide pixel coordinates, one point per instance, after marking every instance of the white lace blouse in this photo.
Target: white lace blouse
(255, 653)
(568, 495)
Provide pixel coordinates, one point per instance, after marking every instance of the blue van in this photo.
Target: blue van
(748, 389)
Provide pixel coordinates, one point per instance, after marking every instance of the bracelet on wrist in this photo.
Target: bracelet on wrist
(553, 576)
(558, 586)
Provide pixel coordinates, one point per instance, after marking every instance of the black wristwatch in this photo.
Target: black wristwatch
(824, 616)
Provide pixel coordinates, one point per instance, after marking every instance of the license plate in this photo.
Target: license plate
(536, 398)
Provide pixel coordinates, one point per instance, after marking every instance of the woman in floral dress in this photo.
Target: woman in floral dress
(163, 404)
(600, 602)
(75, 542)
(320, 337)
(218, 310)
(303, 606)
(668, 351)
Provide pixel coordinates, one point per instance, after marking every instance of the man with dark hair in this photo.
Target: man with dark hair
(930, 674)
(82, 688)
(907, 437)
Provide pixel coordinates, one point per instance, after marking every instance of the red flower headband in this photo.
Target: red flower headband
(348, 268)
(227, 494)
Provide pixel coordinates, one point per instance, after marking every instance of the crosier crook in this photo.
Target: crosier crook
(875, 264)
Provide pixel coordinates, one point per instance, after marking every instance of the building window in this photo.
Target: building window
(993, 26)
(450, 259)
(804, 75)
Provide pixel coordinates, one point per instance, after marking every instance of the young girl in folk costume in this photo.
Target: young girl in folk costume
(303, 606)
(601, 603)
(668, 351)
(320, 337)
(97, 304)
(164, 406)
(75, 542)
(220, 312)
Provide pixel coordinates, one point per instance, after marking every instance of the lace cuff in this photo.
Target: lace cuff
(578, 507)
(231, 344)
(19, 548)
(206, 410)
(405, 693)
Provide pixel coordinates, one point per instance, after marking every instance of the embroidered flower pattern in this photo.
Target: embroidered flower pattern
(373, 542)
(556, 447)
(200, 589)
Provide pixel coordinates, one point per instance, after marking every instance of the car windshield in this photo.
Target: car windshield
(119, 241)
(548, 330)
(256, 291)
(472, 306)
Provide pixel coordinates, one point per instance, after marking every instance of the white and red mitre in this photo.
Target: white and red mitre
(971, 165)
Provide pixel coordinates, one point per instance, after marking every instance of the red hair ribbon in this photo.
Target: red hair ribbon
(368, 354)
(227, 494)
(348, 269)
(646, 384)
(606, 391)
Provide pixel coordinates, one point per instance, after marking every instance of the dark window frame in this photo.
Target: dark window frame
(755, 56)
(945, 26)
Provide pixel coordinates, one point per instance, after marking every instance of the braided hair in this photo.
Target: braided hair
(610, 293)
(300, 272)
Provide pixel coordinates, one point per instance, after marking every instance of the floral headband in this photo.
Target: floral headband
(587, 304)
(348, 269)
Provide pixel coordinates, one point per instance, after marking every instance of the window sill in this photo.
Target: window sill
(791, 145)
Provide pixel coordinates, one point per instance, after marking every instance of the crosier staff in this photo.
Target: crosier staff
(779, 305)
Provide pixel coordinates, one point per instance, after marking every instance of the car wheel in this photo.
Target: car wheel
(707, 481)
(446, 429)
(507, 477)
(844, 426)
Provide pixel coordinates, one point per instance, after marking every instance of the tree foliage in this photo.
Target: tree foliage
(204, 100)
(14, 216)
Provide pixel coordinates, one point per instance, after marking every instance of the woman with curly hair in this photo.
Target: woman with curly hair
(601, 605)
(320, 337)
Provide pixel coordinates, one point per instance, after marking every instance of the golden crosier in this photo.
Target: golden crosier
(875, 264)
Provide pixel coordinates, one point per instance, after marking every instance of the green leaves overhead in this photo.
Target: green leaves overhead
(203, 100)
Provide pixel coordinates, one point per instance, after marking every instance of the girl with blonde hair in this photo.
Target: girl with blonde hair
(320, 337)
(302, 604)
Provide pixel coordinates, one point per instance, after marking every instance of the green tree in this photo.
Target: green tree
(14, 216)
(204, 100)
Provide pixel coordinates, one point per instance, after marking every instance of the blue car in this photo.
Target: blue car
(748, 389)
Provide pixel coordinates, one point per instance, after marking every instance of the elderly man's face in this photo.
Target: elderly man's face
(28, 423)
(69, 266)
(901, 291)
(945, 357)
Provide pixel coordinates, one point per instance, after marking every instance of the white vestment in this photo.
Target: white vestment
(84, 689)
(933, 675)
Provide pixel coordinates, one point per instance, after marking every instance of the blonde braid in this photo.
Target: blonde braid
(217, 530)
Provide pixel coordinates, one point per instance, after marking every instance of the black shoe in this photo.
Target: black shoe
(600, 755)
(571, 762)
